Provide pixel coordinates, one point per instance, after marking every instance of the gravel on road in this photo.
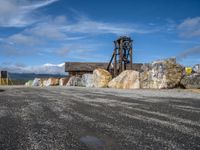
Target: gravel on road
(72, 118)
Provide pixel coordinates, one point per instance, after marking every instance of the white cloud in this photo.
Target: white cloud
(23, 39)
(38, 5)
(60, 30)
(190, 28)
(47, 69)
(88, 26)
(194, 51)
(82, 51)
(47, 30)
(53, 65)
(43, 69)
(15, 13)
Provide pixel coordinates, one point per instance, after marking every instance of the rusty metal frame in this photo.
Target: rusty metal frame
(122, 55)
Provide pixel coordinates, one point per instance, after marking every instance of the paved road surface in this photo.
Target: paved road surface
(81, 118)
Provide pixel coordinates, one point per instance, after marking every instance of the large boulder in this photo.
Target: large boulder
(37, 82)
(87, 80)
(29, 83)
(145, 79)
(74, 81)
(163, 74)
(63, 81)
(192, 81)
(196, 68)
(101, 78)
(128, 79)
(51, 82)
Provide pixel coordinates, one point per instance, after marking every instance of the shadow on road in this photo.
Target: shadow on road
(2, 90)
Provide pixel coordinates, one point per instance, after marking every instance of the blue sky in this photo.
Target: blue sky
(37, 34)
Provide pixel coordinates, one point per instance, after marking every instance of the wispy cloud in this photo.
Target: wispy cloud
(87, 26)
(190, 28)
(81, 51)
(60, 30)
(37, 5)
(185, 41)
(23, 40)
(194, 51)
(42, 69)
(18, 51)
(16, 13)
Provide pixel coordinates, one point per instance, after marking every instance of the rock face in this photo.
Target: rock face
(51, 82)
(87, 80)
(128, 79)
(63, 81)
(74, 81)
(163, 74)
(101, 78)
(191, 81)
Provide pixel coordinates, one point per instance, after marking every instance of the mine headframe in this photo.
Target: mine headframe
(122, 56)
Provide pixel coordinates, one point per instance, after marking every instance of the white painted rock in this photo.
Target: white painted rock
(74, 81)
(87, 80)
(37, 82)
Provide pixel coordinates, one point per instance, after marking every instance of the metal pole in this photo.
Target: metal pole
(131, 58)
(120, 56)
(115, 63)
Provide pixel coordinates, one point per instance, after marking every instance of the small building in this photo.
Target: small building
(80, 68)
(3, 78)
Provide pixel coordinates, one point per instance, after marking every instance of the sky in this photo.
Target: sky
(40, 35)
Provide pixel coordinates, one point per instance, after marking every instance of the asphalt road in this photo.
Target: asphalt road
(80, 118)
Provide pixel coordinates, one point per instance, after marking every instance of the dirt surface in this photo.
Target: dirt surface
(80, 118)
(195, 90)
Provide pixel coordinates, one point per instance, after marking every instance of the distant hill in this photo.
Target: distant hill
(21, 78)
